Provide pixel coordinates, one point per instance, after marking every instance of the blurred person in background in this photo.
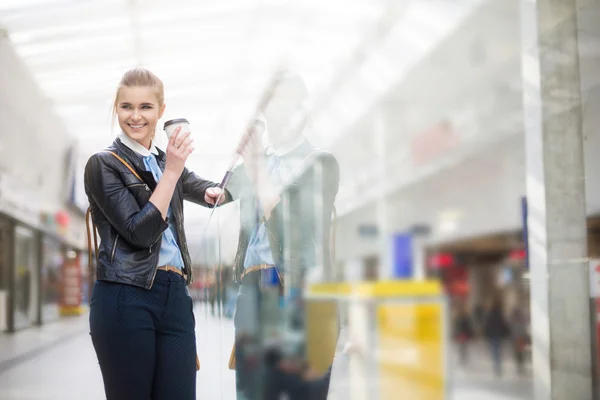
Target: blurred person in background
(479, 318)
(217, 291)
(257, 183)
(206, 289)
(519, 337)
(212, 295)
(496, 330)
(463, 332)
(141, 313)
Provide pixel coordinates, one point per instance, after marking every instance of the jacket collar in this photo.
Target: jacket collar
(301, 150)
(288, 147)
(136, 160)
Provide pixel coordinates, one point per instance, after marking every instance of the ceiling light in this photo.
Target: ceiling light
(79, 29)
(10, 5)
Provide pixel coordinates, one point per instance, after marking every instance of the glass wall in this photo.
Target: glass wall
(5, 273)
(26, 287)
(51, 278)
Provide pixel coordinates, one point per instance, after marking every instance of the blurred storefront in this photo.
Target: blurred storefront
(19, 226)
(41, 201)
(475, 270)
(36, 246)
(65, 288)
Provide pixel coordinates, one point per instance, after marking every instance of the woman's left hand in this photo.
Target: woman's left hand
(214, 194)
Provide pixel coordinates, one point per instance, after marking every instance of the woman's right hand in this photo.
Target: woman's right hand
(178, 150)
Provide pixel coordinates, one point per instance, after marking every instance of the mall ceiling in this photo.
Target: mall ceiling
(215, 58)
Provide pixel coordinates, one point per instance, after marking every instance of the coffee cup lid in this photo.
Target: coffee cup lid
(175, 121)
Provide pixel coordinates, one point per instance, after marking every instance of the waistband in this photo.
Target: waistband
(262, 267)
(257, 267)
(169, 273)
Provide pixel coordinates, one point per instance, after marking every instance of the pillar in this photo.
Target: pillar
(556, 197)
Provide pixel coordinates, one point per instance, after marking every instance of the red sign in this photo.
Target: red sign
(441, 260)
(456, 281)
(517, 255)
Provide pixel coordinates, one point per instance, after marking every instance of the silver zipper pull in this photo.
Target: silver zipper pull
(147, 188)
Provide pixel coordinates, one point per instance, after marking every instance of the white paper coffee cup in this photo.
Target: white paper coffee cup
(170, 126)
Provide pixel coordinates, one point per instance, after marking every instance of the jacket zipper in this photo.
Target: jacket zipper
(156, 241)
(156, 267)
(140, 184)
(114, 249)
(153, 276)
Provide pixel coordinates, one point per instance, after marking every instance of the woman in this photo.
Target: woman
(141, 317)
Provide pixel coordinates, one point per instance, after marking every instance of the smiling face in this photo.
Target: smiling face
(138, 110)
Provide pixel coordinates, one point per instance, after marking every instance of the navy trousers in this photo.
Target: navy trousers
(145, 339)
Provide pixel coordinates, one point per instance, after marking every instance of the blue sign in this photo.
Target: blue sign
(524, 214)
(402, 256)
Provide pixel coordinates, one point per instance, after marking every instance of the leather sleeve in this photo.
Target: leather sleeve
(195, 187)
(141, 227)
(240, 185)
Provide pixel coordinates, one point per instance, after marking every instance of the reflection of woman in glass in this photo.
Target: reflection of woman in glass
(141, 316)
(259, 262)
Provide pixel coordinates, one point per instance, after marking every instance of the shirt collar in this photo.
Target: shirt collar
(138, 148)
(288, 148)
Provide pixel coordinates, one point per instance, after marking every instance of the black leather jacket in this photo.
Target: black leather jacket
(130, 227)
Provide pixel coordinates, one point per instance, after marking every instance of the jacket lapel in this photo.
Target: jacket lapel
(136, 162)
(176, 199)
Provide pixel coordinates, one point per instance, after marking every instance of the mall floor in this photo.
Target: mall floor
(57, 361)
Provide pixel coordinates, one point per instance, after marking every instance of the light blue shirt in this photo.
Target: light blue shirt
(170, 254)
(169, 250)
(259, 248)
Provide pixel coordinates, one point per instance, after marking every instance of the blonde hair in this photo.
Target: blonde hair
(139, 76)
